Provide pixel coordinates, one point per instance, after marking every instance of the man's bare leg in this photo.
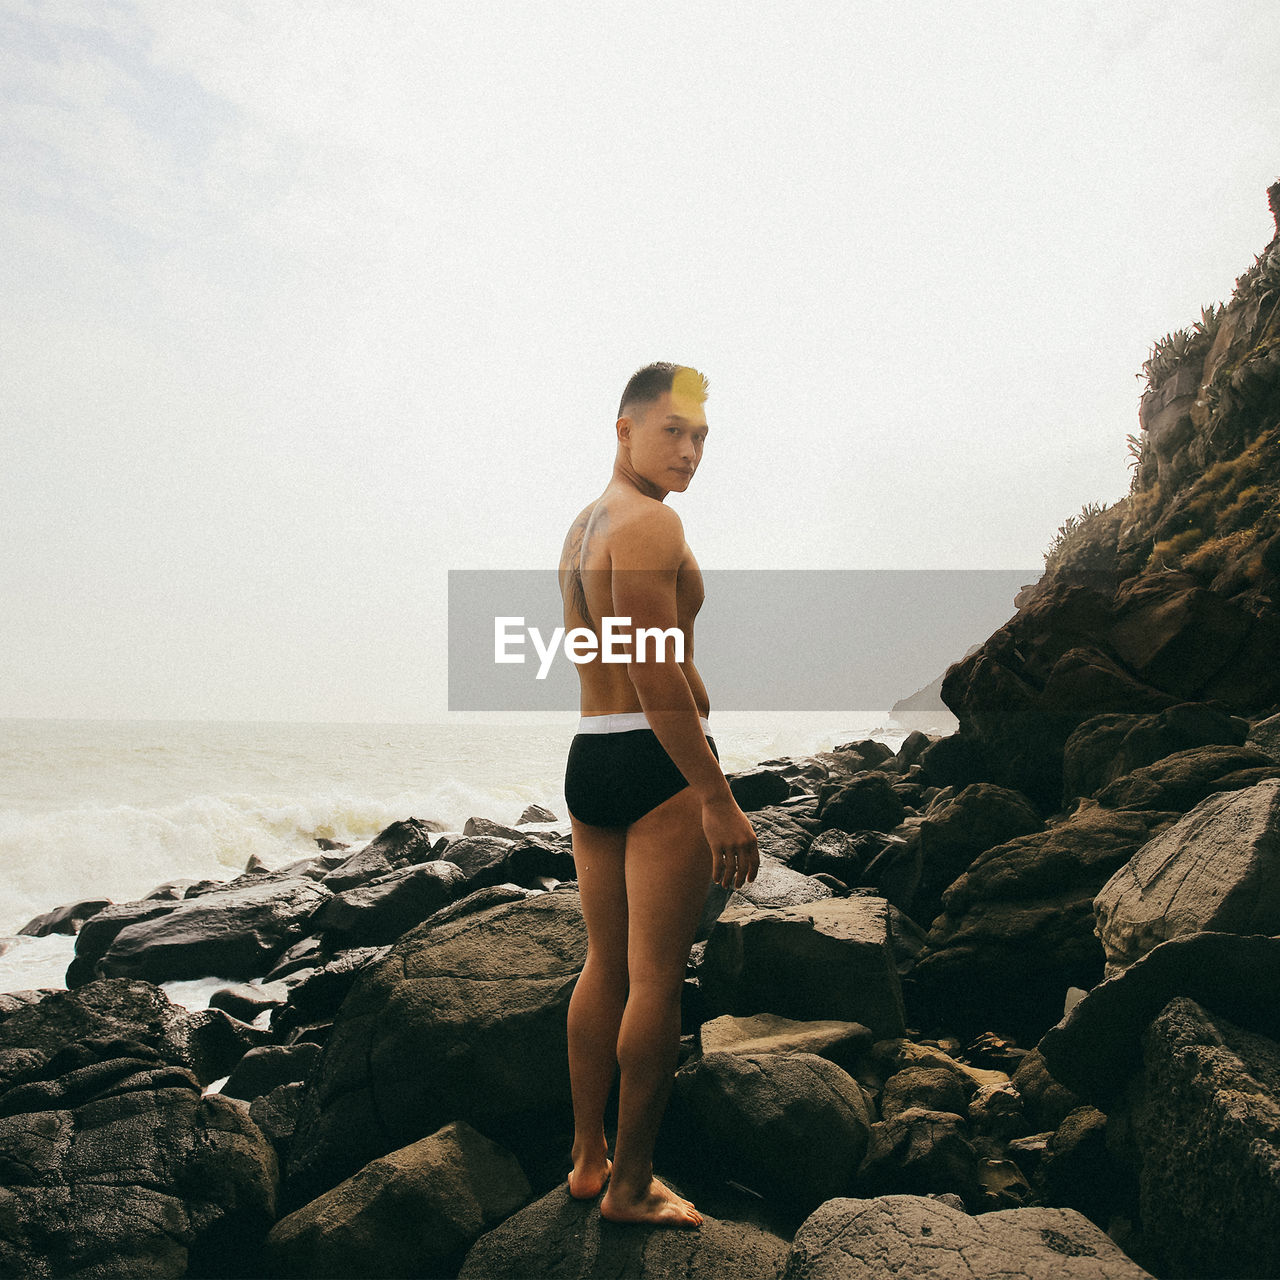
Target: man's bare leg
(595, 1010)
(668, 872)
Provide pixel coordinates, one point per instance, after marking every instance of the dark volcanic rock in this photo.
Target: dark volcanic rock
(123, 1012)
(559, 1238)
(232, 932)
(68, 918)
(763, 961)
(918, 1152)
(919, 1238)
(265, 1068)
(756, 788)
(786, 830)
(113, 1163)
(378, 911)
(1018, 925)
(868, 803)
(414, 1212)
(1206, 1124)
(1107, 747)
(1180, 781)
(1096, 1048)
(841, 1042)
(401, 844)
(791, 1126)
(461, 1020)
(978, 818)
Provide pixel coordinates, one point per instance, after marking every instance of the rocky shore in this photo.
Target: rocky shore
(1002, 1003)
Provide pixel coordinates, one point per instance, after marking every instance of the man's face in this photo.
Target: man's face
(667, 438)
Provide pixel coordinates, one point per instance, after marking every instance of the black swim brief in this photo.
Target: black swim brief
(614, 778)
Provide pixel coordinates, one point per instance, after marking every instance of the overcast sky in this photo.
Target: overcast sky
(304, 304)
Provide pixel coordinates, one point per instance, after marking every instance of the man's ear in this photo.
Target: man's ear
(624, 428)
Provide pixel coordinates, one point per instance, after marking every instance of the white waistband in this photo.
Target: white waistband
(624, 722)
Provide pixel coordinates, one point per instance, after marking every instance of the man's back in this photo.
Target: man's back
(611, 531)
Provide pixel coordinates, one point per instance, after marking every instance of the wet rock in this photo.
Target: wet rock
(265, 1068)
(1216, 869)
(245, 1001)
(400, 845)
(841, 854)
(463, 1019)
(980, 816)
(276, 1114)
(98, 933)
(559, 1238)
(762, 961)
(913, 1237)
(487, 827)
(378, 911)
(68, 918)
(786, 830)
(414, 1212)
(840, 1042)
(791, 1126)
(1096, 1048)
(235, 932)
(777, 885)
(535, 813)
(482, 860)
(1206, 1124)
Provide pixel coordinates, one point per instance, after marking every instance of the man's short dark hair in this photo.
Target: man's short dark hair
(647, 384)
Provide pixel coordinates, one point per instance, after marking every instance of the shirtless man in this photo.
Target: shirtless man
(654, 821)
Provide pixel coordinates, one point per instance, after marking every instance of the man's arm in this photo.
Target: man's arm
(646, 557)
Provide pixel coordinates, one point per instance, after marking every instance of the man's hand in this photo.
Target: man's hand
(735, 854)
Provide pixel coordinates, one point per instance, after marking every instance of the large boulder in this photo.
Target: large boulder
(979, 817)
(868, 803)
(235, 931)
(913, 1237)
(414, 1212)
(1217, 869)
(1206, 1125)
(559, 1238)
(401, 844)
(114, 1163)
(1180, 781)
(841, 1042)
(1107, 747)
(791, 1126)
(921, 1152)
(68, 918)
(122, 1012)
(1017, 929)
(461, 1020)
(786, 830)
(378, 911)
(764, 960)
(1096, 1048)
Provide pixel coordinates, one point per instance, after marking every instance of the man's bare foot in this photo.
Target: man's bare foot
(657, 1206)
(587, 1178)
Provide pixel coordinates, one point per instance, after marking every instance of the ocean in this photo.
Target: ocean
(111, 809)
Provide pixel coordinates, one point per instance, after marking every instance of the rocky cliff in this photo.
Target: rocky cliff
(1168, 596)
